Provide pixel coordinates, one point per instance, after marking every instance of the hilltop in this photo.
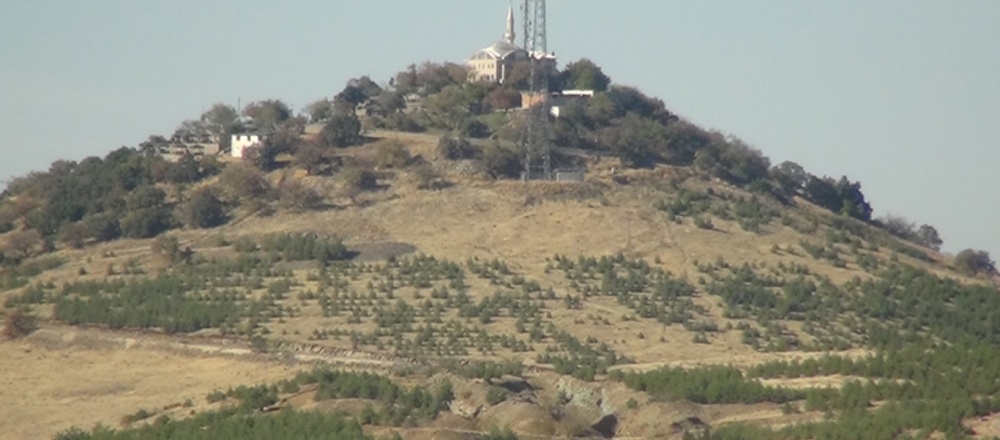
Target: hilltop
(684, 287)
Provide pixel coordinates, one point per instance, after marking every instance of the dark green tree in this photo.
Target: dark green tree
(204, 209)
(975, 262)
(499, 162)
(584, 75)
(928, 236)
(221, 119)
(342, 130)
(267, 114)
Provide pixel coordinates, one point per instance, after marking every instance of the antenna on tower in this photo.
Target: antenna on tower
(536, 44)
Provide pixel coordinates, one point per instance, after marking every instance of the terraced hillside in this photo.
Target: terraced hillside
(640, 303)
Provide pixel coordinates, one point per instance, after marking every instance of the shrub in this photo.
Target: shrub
(295, 196)
(455, 148)
(19, 324)
(7, 217)
(215, 396)
(703, 222)
(146, 223)
(310, 158)
(391, 154)
(23, 244)
(342, 130)
(242, 182)
(361, 179)
(139, 415)
(103, 227)
(73, 234)
(495, 395)
(204, 210)
(426, 177)
(170, 248)
(499, 162)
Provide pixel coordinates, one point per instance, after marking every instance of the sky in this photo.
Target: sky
(901, 95)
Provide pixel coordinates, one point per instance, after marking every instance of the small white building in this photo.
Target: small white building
(240, 142)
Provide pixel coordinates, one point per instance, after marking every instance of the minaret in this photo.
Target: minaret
(509, 36)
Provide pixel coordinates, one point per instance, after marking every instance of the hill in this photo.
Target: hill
(679, 290)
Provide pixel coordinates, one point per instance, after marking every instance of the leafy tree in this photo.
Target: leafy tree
(103, 227)
(185, 170)
(975, 262)
(190, 127)
(928, 236)
(387, 102)
(635, 140)
(629, 99)
(267, 114)
(854, 203)
(146, 222)
(843, 196)
(320, 110)
(454, 104)
(791, 177)
(147, 196)
(221, 120)
(429, 78)
(358, 90)
(584, 75)
(204, 210)
(342, 130)
(743, 164)
(406, 81)
(519, 76)
(601, 110)
(499, 162)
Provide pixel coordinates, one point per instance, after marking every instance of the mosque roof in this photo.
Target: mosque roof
(502, 49)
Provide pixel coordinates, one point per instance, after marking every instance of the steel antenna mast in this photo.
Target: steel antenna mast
(536, 44)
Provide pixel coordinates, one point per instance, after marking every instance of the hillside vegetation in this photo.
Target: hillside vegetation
(687, 288)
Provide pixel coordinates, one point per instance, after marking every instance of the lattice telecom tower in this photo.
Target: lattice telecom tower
(536, 43)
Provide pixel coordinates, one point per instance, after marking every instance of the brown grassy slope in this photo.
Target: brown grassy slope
(522, 224)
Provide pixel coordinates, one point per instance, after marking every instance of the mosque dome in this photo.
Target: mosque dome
(503, 49)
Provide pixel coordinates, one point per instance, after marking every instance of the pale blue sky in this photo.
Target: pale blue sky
(901, 95)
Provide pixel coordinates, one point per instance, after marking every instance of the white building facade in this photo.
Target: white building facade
(240, 142)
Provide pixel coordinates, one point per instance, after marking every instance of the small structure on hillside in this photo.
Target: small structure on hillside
(241, 141)
(179, 146)
(556, 99)
(568, 175)
(576, 175)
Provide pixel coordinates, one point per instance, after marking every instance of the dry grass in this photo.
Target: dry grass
(50, 383)
(56, 379)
